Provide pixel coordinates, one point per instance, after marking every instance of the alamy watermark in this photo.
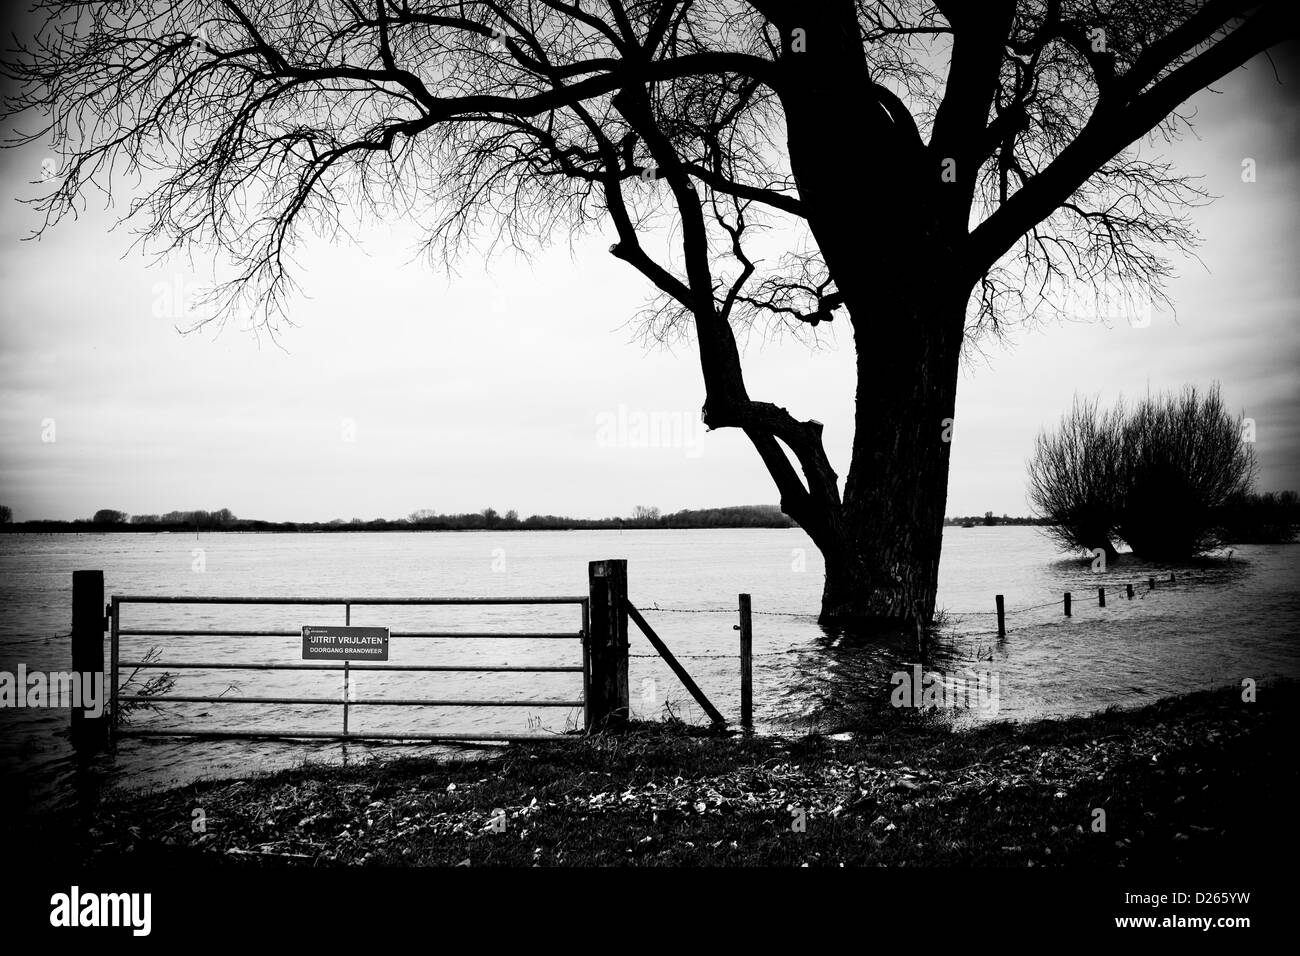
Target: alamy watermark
(76, 908)
(969, 690)
(626, 428)
(80, 691)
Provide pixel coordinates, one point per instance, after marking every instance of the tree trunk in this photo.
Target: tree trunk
(882, 562)
(877, 207)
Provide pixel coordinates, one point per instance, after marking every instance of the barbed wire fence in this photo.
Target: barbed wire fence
(949, 623)
(948, 618)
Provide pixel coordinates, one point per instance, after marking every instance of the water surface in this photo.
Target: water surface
(1220, 622)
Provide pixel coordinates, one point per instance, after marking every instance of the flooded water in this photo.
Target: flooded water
(1219, 622)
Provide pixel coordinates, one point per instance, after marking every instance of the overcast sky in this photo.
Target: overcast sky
(521, 387)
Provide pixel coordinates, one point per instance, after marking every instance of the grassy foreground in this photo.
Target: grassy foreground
(1200, 779)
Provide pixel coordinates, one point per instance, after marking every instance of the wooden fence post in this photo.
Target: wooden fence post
(1002, 615)
(1067, 603)
(607, 691)
(746, 665)
(88, 656)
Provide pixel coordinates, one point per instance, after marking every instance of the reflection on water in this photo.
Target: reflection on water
(1217, 623)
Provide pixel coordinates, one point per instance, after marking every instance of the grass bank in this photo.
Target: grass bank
(1198, 779)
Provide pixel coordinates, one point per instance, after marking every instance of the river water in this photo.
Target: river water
(1221, 621)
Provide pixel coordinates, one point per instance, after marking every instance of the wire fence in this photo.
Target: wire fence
(1140, 592)
(949, 618)
(726, 610)
(792, 650)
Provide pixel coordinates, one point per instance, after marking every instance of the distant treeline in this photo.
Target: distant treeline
(1269, 518)
(989, 519)
(1259, 519)
(739, 516)
(1246, 519)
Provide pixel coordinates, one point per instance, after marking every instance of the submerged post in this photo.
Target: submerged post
(1151, 583)
(1067, 603)
(88, 731)
(746, 665)
(1101, 597)
(1129, 589)
(1002, 615)
(606, 692)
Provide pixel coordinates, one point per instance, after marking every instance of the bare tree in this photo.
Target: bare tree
(1182, 461)
(1074, 478)
(945, 166)
(1160, 476)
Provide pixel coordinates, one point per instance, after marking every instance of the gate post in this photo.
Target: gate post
(606, 691)
(88, 655)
